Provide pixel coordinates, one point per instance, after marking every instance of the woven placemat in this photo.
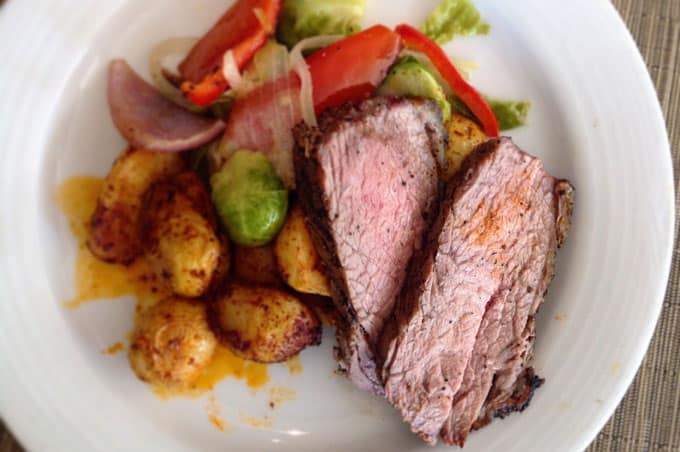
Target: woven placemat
(648, 419)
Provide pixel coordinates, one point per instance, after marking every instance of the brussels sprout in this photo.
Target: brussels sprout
(305, 18)
(250, 198)
(410, 77)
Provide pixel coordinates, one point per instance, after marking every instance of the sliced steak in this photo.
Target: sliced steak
(464, 322)
(368, 180)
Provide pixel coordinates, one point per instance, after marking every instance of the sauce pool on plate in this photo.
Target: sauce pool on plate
(96, 280)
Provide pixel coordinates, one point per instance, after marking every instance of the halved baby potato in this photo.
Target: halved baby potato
(172, 343)
(181, 244)
(115, 225)
(299, 263)
(256, 265)
(264, 324)
(464, 136)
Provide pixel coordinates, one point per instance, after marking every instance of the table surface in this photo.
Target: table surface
(649, 416)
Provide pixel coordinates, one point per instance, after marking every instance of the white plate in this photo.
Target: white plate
(595, 120)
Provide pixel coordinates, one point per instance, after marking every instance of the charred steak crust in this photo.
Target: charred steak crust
(417, 123)
(458, 348)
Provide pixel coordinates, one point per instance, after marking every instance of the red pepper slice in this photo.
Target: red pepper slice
(415, 40)
(243, 29)
(353, 67)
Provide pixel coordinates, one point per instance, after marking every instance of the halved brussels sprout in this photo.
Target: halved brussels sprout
(250, 198)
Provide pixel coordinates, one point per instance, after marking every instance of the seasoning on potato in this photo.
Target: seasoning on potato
(172, 343)
(181, 244)
(256, 265)
(115, 225)
(250, 198)
(297, 259)
(263, 324)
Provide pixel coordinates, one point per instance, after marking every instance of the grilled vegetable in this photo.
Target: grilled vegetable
(464, 136)
(256, 265)
(305, 18)
(148, 120)
(250, 198)
(297, 259)
(242, 30)
(180, 241)
(352, 68)
(263, 324)
(115, 226)
(415, 40)
(410, 77)
(172, 343)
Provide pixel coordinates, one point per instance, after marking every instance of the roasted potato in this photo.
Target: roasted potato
(264, 324)
(172, 343)
(189, 184)
(464, 136)
(115, 225)
(256, 265)
(296, 257)
(323, 307)
(180, 243)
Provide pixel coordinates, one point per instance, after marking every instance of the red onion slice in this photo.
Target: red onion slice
(148, 120)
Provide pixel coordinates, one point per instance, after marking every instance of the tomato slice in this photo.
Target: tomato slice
(414, 39)
(243, 29)
(352, 68)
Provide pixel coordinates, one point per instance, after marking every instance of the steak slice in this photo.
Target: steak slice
(368, 181)
(464, 322)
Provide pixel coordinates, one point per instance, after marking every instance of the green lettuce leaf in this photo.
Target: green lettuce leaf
(454, 17)
(305, 18)
(510, 114)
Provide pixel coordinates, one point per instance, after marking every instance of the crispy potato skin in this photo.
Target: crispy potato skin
(464, 136)
(256, 265)
(299, 264)
(115, 225)
(180, 240)
(263, 324)
(172, 343)
(189, 184)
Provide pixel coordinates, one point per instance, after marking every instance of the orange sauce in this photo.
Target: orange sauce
(280, 394)
(256, 422)
(114, 349)
(294, 365)
(226, 364)
(94, 280)
(213, 409)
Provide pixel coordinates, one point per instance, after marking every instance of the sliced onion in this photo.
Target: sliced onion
(231, 71)
(163, 50)
(299, 65)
